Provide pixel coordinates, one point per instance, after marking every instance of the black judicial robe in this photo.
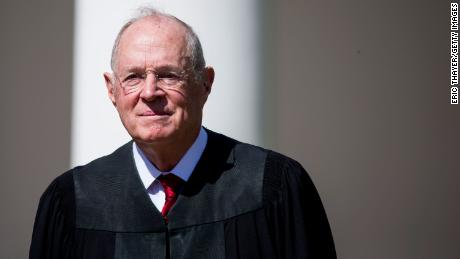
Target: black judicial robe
(241, 201)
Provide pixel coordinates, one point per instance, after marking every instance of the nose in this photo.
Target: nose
(151, 90)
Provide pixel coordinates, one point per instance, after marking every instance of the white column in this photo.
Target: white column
(228, 31)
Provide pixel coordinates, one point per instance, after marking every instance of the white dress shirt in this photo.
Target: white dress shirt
(149, 173)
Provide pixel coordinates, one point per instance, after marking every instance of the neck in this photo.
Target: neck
(166, 155)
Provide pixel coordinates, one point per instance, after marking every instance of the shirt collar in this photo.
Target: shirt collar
(148, 172)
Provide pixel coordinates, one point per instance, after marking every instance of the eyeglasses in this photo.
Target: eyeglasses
(165, 80)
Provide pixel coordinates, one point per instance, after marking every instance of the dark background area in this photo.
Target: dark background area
(36, 85)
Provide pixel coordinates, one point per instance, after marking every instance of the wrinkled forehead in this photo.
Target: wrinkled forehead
(153, 35)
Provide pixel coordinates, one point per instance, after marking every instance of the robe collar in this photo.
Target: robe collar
(148, 172)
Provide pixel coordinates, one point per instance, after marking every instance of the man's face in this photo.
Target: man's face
(150, 49)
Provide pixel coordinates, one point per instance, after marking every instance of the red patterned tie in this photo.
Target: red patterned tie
(171, 185)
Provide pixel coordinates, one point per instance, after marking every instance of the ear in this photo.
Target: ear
(110, 85)
(208, 79)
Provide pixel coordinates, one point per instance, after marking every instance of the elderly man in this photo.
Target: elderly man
(177, 190)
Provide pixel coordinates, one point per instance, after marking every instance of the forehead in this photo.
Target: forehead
(152, 39)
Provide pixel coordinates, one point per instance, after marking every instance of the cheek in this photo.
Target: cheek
(125, 106)
(192, 102)
(192, 110)
(196, 97)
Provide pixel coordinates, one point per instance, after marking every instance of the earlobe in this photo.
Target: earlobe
(209, 78)
(110, 85)
(207, 87)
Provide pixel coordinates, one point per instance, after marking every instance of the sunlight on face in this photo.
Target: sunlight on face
(151, 50)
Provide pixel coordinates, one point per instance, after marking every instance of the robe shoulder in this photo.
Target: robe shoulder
(283, 175)
(294, 206)
(55, 220)
(292, 222)
(55, 231)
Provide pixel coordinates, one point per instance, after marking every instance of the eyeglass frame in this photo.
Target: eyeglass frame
(179, 77)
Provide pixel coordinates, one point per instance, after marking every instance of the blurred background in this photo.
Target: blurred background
(357, 91)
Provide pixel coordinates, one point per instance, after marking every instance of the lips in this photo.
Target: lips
(154, 113)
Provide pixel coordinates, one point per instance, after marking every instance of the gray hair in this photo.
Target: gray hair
(193, 42)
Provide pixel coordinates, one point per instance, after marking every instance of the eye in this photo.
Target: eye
(169, 77)
(133, 79)
(133, 76)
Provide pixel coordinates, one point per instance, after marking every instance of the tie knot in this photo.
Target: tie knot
(171, 184)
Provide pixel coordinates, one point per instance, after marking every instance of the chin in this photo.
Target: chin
(155, 135)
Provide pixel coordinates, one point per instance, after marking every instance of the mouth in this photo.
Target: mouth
(151, 113)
